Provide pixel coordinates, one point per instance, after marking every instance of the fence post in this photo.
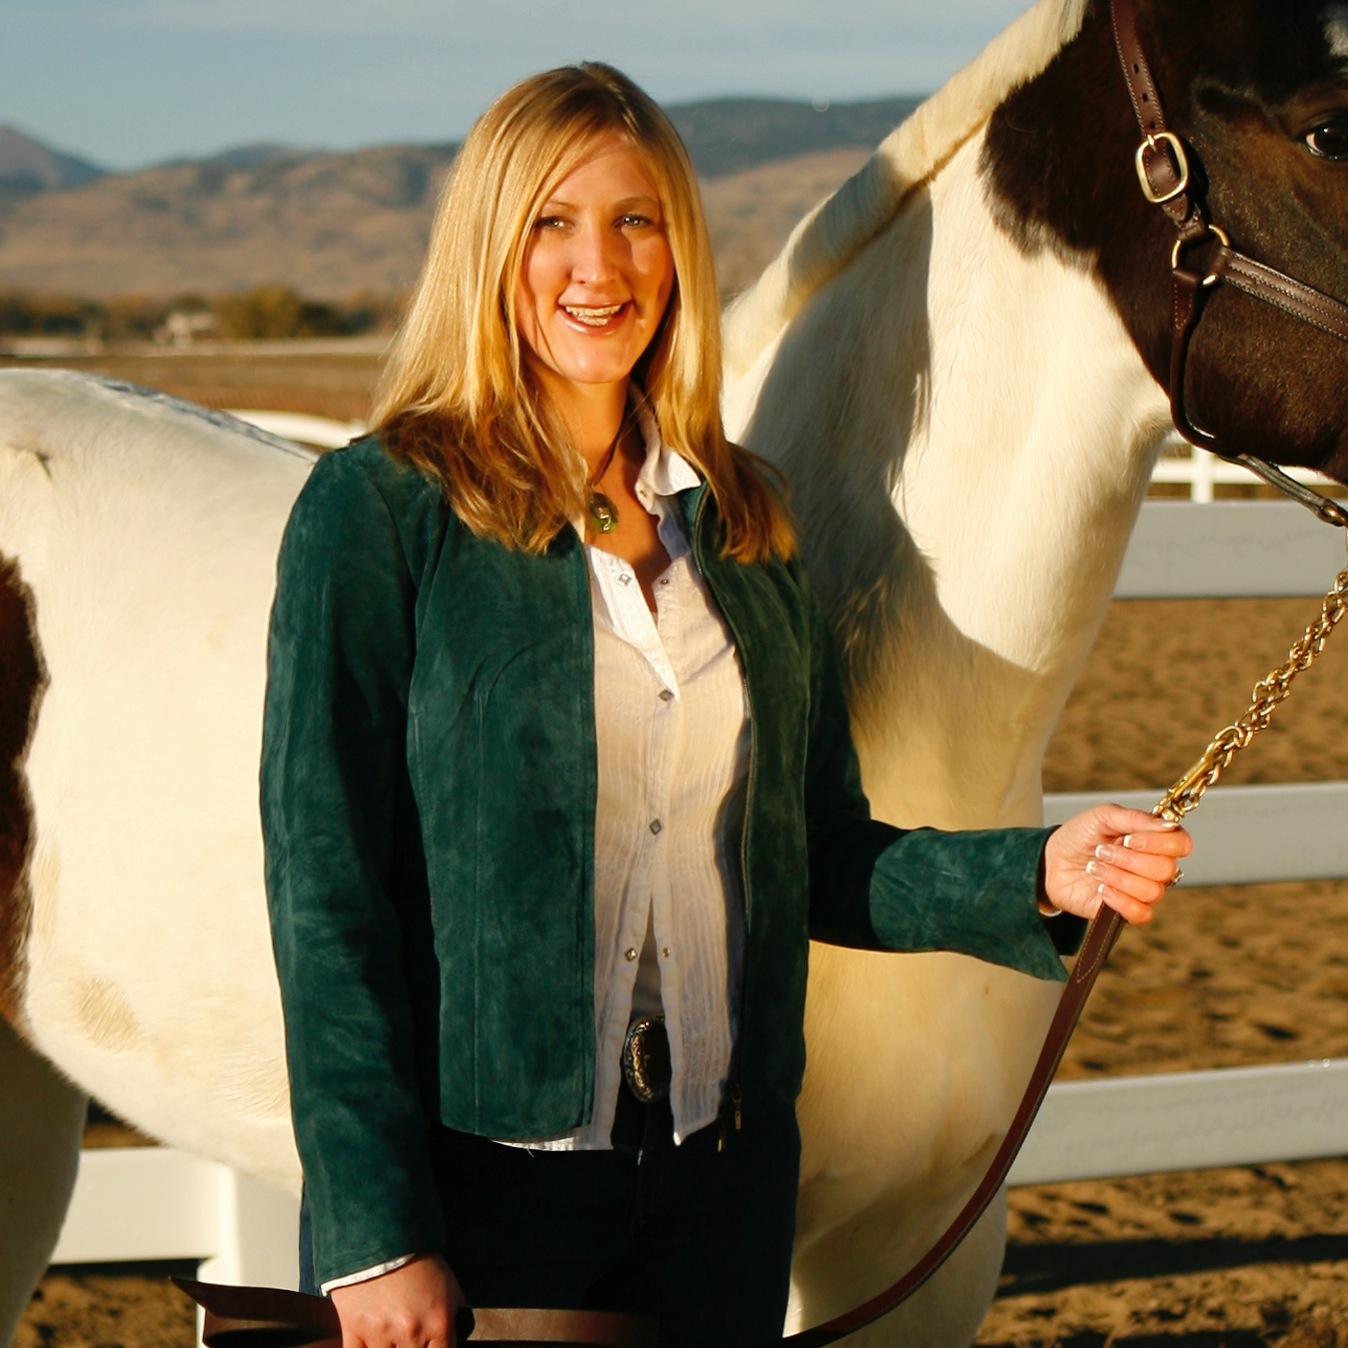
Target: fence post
(1200, 487)
(258, 1239)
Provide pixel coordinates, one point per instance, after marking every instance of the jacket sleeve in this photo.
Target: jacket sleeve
(339, 664)
(877, 887)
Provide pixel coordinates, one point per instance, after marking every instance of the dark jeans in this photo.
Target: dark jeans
(697, 1237)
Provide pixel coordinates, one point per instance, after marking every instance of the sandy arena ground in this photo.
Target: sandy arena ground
(1227, 977)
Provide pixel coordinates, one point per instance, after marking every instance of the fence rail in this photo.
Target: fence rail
(1187, 1121)
(159, 1204)
(1199, 471)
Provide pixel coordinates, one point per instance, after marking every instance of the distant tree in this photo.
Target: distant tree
(272, 311)
(23, 313)
(15, 315)
(266, 311)
(133, 317)
(190, 302)
(369, 312)
(269, 311)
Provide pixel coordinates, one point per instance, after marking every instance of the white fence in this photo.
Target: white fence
(160, 1205)
(153, 1203)
(1199, 471)
(310, 430)
(1242, 835)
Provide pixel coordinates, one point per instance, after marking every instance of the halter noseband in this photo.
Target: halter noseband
(1163, 171)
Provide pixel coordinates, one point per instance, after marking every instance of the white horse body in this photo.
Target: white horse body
(968, 458)
(148, 535)
(967, 454)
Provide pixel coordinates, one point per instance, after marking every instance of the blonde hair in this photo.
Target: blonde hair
(455, 399)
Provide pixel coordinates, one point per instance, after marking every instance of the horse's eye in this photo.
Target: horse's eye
(1329, 140)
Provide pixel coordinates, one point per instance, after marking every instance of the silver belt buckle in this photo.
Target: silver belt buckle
(646, 1065)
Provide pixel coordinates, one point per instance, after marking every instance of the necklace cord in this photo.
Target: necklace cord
(602, 513)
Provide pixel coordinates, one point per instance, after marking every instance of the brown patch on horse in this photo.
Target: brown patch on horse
(1243, 82)
(23, 677)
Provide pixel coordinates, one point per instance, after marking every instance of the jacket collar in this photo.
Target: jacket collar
(690, 502)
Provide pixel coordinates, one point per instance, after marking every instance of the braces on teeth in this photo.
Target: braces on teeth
(596, 317)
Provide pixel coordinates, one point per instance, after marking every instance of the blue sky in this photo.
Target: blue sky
(128, 82)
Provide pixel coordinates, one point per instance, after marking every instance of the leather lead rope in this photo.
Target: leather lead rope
(1165, 177)
(259, 1317)
(253, 1316)
(1183, 797)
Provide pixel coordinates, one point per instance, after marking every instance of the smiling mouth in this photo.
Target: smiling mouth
(596, 316)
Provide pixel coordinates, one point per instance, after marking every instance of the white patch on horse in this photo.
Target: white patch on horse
(827, 239)
(1336, 31)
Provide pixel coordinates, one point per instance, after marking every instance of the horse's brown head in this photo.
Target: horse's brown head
(1259, 90)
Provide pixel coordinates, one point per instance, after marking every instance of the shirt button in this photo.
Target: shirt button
(666, 695)
(630, 953)
(624, 578)
(664, 950)
(656, 826)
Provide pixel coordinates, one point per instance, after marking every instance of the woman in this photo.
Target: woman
(555, 747)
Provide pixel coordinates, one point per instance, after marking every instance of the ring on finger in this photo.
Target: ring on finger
(1179, 875)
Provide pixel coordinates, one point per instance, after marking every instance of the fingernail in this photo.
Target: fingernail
(1104, 851)
(1127, 840)
(1090, 868)
(1100, 890)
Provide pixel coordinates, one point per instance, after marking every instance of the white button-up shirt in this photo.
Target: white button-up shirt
(671, 727)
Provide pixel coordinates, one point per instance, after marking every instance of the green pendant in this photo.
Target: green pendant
(603, 513)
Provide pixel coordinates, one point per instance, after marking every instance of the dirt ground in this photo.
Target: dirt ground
(1227, 977)
(317, 382)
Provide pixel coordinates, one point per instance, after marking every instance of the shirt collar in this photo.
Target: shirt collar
(665, 471)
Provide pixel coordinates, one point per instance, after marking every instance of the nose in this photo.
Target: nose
(595, 257)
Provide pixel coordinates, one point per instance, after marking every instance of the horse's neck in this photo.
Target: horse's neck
(967, 458)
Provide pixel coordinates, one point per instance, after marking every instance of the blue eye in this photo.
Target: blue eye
(633, 220)
(549, 222)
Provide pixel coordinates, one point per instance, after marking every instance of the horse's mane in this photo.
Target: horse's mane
(835, 230)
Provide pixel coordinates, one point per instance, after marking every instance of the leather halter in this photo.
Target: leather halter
(1166, 172)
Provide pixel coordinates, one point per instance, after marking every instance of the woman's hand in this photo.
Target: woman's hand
(1123, 858)
(412, 1307)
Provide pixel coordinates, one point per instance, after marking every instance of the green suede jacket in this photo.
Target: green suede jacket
(428, 801)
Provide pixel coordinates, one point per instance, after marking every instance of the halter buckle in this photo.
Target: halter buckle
(1180, 164)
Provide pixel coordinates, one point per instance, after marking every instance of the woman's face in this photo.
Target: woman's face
(597, 273)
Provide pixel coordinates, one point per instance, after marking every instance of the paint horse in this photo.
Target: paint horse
(956, 359)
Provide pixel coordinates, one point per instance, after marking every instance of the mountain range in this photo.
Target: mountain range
(332, 223)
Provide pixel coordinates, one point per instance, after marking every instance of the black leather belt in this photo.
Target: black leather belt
(645, 1058)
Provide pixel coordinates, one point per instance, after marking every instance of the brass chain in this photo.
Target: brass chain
(1268, 693)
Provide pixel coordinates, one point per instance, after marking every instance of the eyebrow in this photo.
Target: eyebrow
(640, 200)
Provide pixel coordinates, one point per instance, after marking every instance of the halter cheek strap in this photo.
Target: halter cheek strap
(1164, 173)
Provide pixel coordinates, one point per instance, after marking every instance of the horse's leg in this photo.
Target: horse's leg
(944, 1313)
(41, 1122)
